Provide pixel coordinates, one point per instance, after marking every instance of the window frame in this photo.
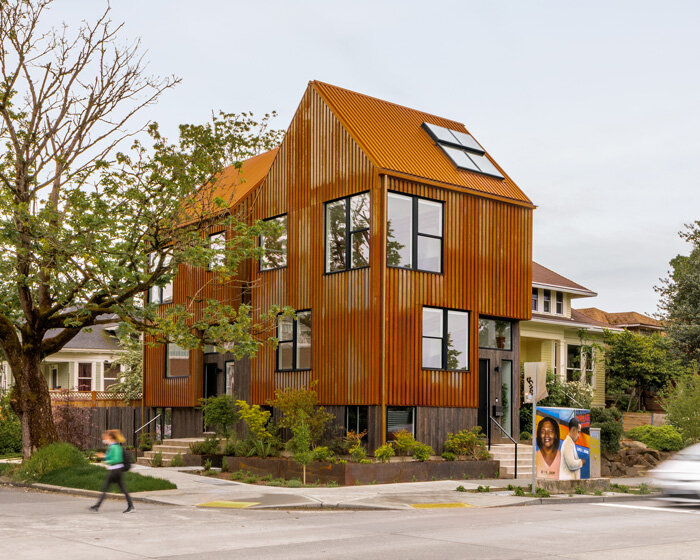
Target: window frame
(294, 340)
(349, 232)
(535, 299)
(166, 370)
(88, 366)
(445, 331)
(415, 234)
(546, 301)
(109, 366)
(496, 319)
(218, 260)
(559, 301)
(414, 414)
(160, 290)
(286, 246)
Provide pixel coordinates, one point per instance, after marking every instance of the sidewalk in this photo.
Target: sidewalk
(202, 491)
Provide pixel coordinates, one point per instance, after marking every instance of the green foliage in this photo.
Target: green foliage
(403, 442)
(176, 461)
(680, 299)
(210, 446)
(300, 443)
(662, 438)
(636, 363)
(295, 404)
(91, 477)
(519, 491)
(422, 451)
(237, 447)
(541, 493)
(220, 412)
(323, 454)
(579, 490)
(461, 488)
(257, 421)
(261, 448)
(526, 436)
(130, 359)
(157, 459)
(570, 394)
(469, 443)
(207, 465)
(358, 452)
(681, 401)
(50, 458)
(609, 420)
(483, 489)
(644, 488)
(294, 483)
(384, 452)
(10, 428)
(145, 442)
(449, 456)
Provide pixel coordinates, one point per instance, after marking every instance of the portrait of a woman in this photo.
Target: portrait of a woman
(548, 458)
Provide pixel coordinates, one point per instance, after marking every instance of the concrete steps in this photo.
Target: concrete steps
(505, 455)
(168, 449)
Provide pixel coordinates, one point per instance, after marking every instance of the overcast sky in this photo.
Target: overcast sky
(591, 107)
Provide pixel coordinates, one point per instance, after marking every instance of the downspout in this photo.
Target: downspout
(382, 263)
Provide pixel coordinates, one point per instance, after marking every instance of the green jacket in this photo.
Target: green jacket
(115, 454)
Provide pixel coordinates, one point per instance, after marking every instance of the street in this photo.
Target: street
(37, 525)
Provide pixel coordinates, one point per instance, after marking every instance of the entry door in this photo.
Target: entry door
(484, 394)
(210, 380)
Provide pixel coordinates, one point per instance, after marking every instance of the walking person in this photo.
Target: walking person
(114, 459)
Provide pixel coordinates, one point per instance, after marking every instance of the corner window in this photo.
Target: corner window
(400, 418)
(217, 243)
(445, 339)
(177, 361)
(495, 333)
(294, 342)
(414, 233)
(560, 303)
(160, 294)
(274, 245)
(535, 299)
(347, 233)
(546, 301)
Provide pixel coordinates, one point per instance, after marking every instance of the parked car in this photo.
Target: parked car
(679, 477)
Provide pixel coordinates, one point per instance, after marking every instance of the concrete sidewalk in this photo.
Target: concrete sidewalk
(202, 491)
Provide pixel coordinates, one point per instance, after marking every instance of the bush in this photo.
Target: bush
(237, 448)
(469, 443)
(176, 461)
(358, 452)
(298, 404)
(449, 456)
(323, 454)
(74, 425)
(157, 459)
(384, 452)
(210, 446)
(220, 413)
(526, 436)
(662, 438)
(403, 442)
(257, 420)
(10, 428)
(609, 420)
(682, 405)
(50, 458)
(145, 442)
(422, 452)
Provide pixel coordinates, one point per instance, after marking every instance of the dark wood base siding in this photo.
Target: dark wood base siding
(433, 424)
(186, 423)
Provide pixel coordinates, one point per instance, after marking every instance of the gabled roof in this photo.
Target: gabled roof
(98, 337)
(234, 184)
(392, 137)
(577, 320)
(623, 319)
(543, 277)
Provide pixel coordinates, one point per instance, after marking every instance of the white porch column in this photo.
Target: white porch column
(95, 376)
(561, 359)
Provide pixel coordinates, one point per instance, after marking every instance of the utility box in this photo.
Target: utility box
(595, 452)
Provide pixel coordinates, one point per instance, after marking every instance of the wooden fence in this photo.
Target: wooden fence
(92, 399)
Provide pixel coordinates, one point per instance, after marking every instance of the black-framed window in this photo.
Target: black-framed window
(217, 243)
(177, 361)
(160, 294)
(445, 339)
(294, 342)
(357, 419)
(560, 303)
(414, 232)
(274, 245)
(347, 233)
(535, 299)
(496, 334)
(400, 418)
(546, 301)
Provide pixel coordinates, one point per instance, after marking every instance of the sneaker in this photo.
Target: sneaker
(129, 509)
(94, 508)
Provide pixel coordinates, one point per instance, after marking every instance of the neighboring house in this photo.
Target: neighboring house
(553, 334)
(86, 363)
(630, 320)
(407, 252)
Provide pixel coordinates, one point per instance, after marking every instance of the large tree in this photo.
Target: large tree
(86, 230)
(680, 297)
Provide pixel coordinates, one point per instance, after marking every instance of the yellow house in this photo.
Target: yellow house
(562, 336)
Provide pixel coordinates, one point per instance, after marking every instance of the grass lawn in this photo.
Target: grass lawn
(91, 477)
(10, 455)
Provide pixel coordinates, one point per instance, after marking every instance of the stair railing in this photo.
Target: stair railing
(515, 443)
(142, 427)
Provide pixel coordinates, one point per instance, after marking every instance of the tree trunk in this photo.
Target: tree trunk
(32, 403)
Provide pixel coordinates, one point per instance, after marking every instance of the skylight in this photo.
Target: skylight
(464, 151)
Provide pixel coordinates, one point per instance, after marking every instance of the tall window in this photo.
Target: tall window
(347, 233)
(177, 361)
(546, 301)
(110, 374)
(274, 244)
(84, 377)
(414, 233)
(495, 333)
(356, 419)
(445, 339)
(294, 337)
(535, 299)
(163, 293)
(579, 363)
(217, 243)
(560, 303)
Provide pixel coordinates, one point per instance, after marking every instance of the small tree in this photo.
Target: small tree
(221, 413)
(297, 405)
(681, 401)
(300, 443)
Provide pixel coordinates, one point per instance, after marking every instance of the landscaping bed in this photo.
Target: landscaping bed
(91, 477)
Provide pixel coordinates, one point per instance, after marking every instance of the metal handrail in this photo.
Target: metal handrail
(515, 443)
(142, 427)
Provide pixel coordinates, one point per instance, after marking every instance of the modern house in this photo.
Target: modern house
(406, 251)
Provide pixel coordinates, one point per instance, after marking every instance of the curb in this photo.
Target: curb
(81, 492)
(586, 499)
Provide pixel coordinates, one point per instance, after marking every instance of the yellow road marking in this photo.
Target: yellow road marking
(443, 505)
(223, 504)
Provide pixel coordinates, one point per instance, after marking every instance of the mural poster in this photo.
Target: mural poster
(563, 443)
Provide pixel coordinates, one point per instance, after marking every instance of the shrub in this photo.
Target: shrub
(237, 447)
(449, 456)
(294, 483)
(609, 420)
(157, 459)
(210, 446)
(519, 491)
(176, 461)
(461, 488)
(403, 442)
(257, 420)
(323, 454)
(10, 428)
(525, 436)
(207, 465)
(295, 404)
(145, 442)
(481, 488)
(50, 458)
(358, 452)
(541, 493)
(74, 425)
(422, 452)
(261, 448)
(469, 443)
(220, 413)
(662, 438)
(682, 405)
(384, 452)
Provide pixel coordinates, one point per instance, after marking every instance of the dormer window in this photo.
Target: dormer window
(535, 299)
(546, 301)
(464, 151)
(560, 303)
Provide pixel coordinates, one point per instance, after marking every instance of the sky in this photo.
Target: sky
(591, 107)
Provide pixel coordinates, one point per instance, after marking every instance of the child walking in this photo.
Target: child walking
(114, 459)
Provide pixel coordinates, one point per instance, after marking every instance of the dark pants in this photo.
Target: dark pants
(115, 476)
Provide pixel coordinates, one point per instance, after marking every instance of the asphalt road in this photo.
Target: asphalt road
(48, 526)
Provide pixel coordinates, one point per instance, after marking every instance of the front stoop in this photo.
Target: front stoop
(169, 450)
